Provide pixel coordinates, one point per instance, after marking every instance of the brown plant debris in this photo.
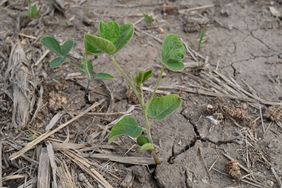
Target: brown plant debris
(225, 111)
(19, 76)
(131, 98)
(56, 100)
(169, 8)
(233, 169)
(274, 113)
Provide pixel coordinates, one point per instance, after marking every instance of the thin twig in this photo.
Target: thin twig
(27, 36)
(183, 11)
(148, 34)
(42, 57)
(261, 118)
(124, 159)
(189, 51)
(213, 163)
(276, 177)
(241, 166)
(85, 165)
(204, 162)
(253, 184)
(47, 134)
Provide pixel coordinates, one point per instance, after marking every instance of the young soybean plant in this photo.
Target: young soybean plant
(62, 52)
(111, 38)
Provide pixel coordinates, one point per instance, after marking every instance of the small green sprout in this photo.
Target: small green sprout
(148, 19)
(201, 38)
(62, 52)
(32, 11)
(110, 39)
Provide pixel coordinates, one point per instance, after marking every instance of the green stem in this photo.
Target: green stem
(157, 84)
(144, 106)
(127, 79)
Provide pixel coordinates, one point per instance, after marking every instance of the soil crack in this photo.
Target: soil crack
(262, 42)
(198, 137)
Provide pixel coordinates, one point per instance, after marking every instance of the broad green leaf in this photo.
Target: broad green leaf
(67, 46)
(94, 44)
(86, 68)
(57, 62)
(142, 139)
(89, 47)
(126, 33)
(142, 77)
(52, 44)
(103, 76)
(146, 147)
(173, 52)
(109, 30)
(161, 107)
(127, 126)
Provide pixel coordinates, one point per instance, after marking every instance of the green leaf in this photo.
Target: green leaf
(57, 62)
(103, 76)
(126, 33)
(89, 48)
(94, 44)
(127, 126)
(142, 76)
(86, 68)
(109, 30)
(146, 147)
(161, 107)
(173, 52)
(142, 139)
(32, 11)
(52, 44)
(67, 46)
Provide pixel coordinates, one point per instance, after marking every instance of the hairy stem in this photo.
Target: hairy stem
(157, 84)
(144, 106)
(127, 79)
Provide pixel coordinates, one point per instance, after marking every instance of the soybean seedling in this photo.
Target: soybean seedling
(62, 52)
(111, 38)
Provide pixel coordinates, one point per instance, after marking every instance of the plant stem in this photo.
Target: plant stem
(144, 106)
(157, 84)
(127, 79)
(148, 125)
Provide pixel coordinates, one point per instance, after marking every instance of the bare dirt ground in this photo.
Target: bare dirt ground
(228, 132)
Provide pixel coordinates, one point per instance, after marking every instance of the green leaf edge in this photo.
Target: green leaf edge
(179, 64)
(59, 63)
(156, 98)
(98, 76)
(146, 147)
(109, 51)
(112, 138)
